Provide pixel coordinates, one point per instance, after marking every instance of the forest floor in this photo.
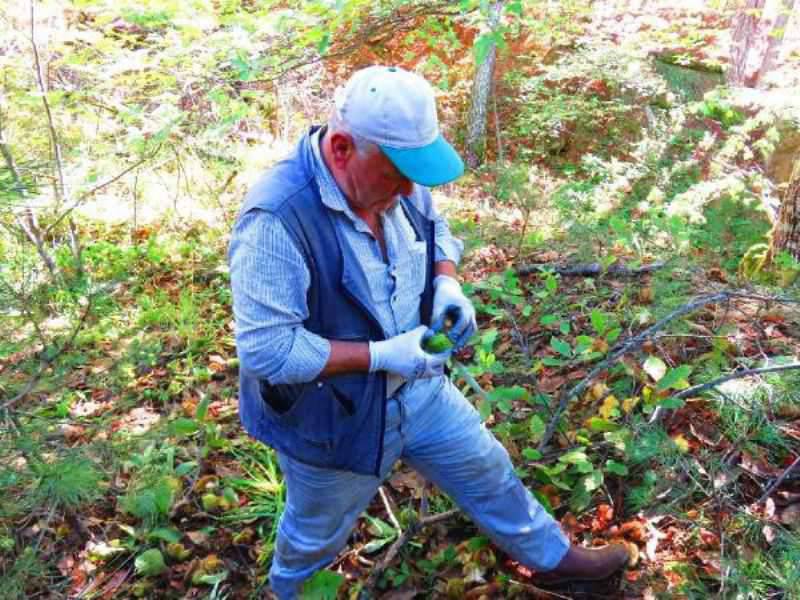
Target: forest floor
(133, 477)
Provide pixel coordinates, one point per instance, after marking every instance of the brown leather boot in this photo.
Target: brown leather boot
(586, 564)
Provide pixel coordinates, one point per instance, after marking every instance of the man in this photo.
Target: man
(340, 268)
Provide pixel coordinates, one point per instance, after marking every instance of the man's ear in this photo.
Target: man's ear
(342, 149)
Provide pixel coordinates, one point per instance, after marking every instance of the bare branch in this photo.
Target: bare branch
(30, 228)
(401, 541)
(61, 190)
(779, 480)
(639, 339)
(590, 270)
(696, 389)
(628, 345)
(84, 196)
(470, 380)
(388, 506)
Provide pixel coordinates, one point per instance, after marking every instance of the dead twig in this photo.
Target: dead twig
(84, 196)
(696, 389)
(638, 340)
(779, 480)
(622, 349)
(388, 506)
(537, 592)
(401, 541)
(590, 270)
(476, 387)
(61, 188)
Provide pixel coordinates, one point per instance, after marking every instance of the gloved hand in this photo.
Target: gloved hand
(450, 301)
(403, 355)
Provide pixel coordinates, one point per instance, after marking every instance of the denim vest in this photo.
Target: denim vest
(334, 422)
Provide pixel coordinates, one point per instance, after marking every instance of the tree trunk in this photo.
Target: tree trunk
(745, 33)
(786, 232)
(774, 41)
(481, 91)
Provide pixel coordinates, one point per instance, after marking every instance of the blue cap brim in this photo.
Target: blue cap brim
(430, 165)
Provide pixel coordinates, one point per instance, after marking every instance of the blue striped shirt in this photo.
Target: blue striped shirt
(270, 280)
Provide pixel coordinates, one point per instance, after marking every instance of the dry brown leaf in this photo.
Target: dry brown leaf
(198, 538)
(790, 515)
(550, 384)
(634, 531)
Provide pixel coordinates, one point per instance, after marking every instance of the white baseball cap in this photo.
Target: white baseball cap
(396, 110)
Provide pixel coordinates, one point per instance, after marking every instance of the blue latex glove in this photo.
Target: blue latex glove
(450, 302)
(403, 355)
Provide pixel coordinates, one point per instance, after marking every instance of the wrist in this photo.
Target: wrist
(445, 267)
(375, 357)
(446, 280)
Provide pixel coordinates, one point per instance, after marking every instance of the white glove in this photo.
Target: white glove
(403, 355)
(450, 301)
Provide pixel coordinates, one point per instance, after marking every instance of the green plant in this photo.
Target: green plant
(18, 577)
(154, 486)
(523, 187)
(715, 106)
(264, 489)
(68, 482)
(768, 572)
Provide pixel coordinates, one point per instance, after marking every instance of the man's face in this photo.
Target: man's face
(373, 183)
(377, 181)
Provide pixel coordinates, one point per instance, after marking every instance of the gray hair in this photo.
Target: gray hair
(362, 144)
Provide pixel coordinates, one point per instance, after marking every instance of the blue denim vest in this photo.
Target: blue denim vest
(334, 422)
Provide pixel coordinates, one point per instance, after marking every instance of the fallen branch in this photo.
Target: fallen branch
(779, 480)
(401, 541)
(628, 345)
(388, 506)
(701, 387)
(476, 387)
(589, 270)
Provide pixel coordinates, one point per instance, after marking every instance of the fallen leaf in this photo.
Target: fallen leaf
(632, 576)
(757, 466)
(407, 480)
(770, 533)
(784, 497)
(609, 406)
(709, 538)
(598, 390)
(790, 515)
(634, 531)
(407, 594)
(109, 591)
(629, 404)
(710, 561)
(198, 538)
(550, 384)
(681, 442)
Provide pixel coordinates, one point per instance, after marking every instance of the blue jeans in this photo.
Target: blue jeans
(435, 430)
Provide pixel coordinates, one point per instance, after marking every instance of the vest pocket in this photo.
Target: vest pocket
(319, 411)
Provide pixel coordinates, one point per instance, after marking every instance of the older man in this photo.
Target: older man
(340, 268)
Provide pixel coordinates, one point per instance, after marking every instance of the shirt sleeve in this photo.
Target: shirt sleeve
(270, 280)
(448, 247)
